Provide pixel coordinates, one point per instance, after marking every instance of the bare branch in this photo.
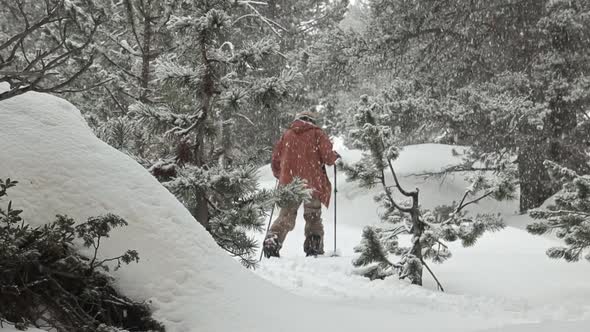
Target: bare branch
(439, 285)
(131, 17)
(271, 24)
(461, 207)
(246, 118)
(123, 111)
(457, 169)
(390, 197)
(413, 194)
(94, 86)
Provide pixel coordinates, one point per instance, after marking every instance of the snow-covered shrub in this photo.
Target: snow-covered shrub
(568, 216)
(45, 282)
(430, 230)
(237, 204)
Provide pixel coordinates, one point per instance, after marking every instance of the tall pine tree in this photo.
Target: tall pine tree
(216, 75)
(510, 76)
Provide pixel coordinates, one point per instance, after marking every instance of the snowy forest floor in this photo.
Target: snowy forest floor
(505, 277)
(503, 282)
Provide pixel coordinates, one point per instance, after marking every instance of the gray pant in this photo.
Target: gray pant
(312, 213)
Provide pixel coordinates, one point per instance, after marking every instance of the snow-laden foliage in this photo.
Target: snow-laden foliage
(236, 205)
(568, 216)
(45, 282)
(507, 78)
(258, 44)
(220, 79)
(430, 230)
(46, 46)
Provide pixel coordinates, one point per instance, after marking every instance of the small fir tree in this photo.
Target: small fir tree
(46, 283)
(430, 230)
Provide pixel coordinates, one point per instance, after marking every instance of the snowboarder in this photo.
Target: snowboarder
(302, 152)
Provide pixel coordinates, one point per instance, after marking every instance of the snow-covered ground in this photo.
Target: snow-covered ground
(505, 276)
(193, 286)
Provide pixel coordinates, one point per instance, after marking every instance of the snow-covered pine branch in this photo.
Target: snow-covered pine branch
(429, 230)
(568, 216)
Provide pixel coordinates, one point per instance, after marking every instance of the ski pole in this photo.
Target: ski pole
(335, 192)
(269, 222)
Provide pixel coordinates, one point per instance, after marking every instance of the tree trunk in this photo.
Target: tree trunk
(224, 157)
(535, 184)
(201, 210)
(556, 143)
(417, 230)
(147, 52)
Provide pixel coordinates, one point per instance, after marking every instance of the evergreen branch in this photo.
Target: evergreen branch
(413, 194)
(243, 17)
(474, 201)
(123, 110)
(215, 207)
(179, 131)
(112, 62)
(456, 169)
(246, 118)
(462, 200)
(568, 212)
(92, 87)
(397, 231)
(390, 197)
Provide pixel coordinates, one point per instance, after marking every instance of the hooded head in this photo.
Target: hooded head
(307, 116)
(304, 121)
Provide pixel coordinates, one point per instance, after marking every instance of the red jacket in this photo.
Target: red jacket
(302, 152)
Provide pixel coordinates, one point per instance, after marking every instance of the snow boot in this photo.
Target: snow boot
(271, 246)
(313, 245)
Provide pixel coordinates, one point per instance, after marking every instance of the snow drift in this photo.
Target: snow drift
(188, 281)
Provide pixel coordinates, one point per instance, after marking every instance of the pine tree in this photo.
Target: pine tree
(216, 76)
(429, 229)
(130, 66)
(510, 77)
(296, 25)
(568, 216)
(128, 45)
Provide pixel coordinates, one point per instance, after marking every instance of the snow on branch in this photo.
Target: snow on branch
(273, 25)
(428, 229)
(568, 217)
(50, 51)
